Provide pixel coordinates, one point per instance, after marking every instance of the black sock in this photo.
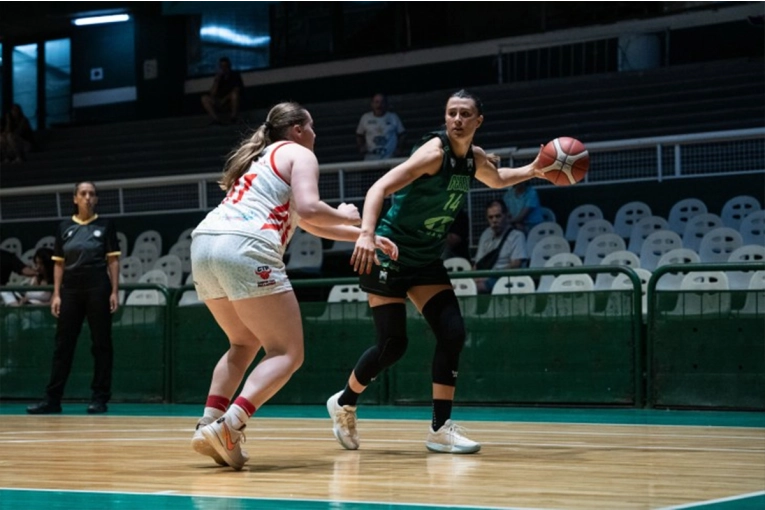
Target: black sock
(442, 411)
(349, 397)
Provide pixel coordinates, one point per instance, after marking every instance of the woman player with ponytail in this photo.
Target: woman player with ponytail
(237, 251)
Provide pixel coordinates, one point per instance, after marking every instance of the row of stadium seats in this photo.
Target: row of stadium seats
(587, 235)
(717, 245)
(573, 294)
(733, 213)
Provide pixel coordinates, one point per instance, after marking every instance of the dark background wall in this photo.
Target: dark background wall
(311, 32)
(161, 40)
(109, 52)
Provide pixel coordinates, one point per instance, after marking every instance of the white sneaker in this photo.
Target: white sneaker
(343, 422)
(200, 444)
(226, 441)
(450, 438)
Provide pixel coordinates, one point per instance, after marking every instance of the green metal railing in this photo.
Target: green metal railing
(708, 355)
(185, 360)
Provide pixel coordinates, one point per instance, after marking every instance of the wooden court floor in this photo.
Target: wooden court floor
(140, 457)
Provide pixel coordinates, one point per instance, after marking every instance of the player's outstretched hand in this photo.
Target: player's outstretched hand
(364, 254)
(536, 165)
(351, 213)
(387, 246)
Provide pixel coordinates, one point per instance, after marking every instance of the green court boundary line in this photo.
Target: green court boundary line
(600, 416)
(299, 501)
(757, 498)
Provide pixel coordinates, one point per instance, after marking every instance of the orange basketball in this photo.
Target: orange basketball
(564, 161)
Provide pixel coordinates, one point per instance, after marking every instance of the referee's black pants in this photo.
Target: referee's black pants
(78, 302)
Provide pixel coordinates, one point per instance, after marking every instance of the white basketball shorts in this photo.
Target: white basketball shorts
(236, 267)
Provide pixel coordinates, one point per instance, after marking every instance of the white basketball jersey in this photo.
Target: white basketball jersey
(260, 204)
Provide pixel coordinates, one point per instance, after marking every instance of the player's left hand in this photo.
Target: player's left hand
(387, 246)
(536, 167)
(364, 254)
(114, 302)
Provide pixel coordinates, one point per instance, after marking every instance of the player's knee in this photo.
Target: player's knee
(392, 350)
(390, 323)
(296, 359)
(445, 319)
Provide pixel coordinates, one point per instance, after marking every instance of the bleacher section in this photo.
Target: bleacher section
(705, 237)
(686, 99)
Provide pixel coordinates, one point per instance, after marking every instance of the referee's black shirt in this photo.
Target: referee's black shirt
(83, 246)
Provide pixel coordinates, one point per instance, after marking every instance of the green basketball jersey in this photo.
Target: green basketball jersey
(421, 213)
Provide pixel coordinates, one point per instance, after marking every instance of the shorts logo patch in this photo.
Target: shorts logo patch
(264, 272)
(383, 276)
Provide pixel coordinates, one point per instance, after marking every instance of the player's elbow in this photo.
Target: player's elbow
(308, 211)
(495, 183)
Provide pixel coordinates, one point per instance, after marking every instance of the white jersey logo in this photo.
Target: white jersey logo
(258, 205)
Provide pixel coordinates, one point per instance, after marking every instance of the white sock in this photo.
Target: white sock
(212, 412)
(236, 416)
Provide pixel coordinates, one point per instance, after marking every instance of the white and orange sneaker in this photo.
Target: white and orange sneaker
(226, 442)
(199, 442)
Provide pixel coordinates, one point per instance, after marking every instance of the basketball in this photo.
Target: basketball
(564, 161)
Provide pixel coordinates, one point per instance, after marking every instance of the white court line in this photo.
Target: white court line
(589, 446)
(330, 502)
(260, 428)
(425, 419)
(714, 501)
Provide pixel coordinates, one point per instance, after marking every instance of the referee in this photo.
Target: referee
(85, 280)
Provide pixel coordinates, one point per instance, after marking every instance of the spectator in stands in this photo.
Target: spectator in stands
(428, 189)
(225, 93)
(85, 280)
(16, 136)
(458, 237)
(43, 276)
(499, 247)
(523, 206)
(380, 133)
(11, 263)
(237, 259)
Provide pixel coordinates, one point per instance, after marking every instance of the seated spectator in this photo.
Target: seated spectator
(380, 133)
(523, 207)
(458, 238)
(499, 247)
(44, 267)
(16, 136)
(224, 94)
(11, 263)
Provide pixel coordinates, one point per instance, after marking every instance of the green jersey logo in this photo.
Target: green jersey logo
(439, 224)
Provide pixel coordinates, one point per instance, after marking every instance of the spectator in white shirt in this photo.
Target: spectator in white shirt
(499, 247)
(380, 133)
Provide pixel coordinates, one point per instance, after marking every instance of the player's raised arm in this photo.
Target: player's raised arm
(488, 173)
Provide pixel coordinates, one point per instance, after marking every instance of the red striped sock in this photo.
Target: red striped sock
(217, 402)
(246, 405)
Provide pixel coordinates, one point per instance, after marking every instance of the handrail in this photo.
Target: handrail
(356, 166)
(643, 143)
